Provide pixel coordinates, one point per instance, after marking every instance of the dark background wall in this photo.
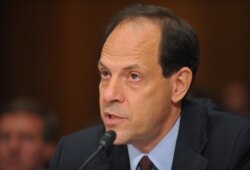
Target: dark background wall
(50, 49)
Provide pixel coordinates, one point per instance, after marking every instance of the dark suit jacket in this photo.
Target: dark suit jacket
(208, 139)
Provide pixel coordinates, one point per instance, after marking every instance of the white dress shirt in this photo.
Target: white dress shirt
(163, 153)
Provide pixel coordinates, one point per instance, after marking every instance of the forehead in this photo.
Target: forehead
(21, 122)
(131, 38)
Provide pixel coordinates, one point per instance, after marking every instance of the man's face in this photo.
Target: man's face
(21, 142)
(135, 97)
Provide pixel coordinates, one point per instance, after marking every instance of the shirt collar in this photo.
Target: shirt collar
(163, 153)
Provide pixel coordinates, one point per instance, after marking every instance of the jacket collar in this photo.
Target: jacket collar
(192, 137)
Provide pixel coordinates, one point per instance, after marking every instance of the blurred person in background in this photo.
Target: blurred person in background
(27, 135)
(234, 97)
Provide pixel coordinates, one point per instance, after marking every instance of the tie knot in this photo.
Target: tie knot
(145, 163)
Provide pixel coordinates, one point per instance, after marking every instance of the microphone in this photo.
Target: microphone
(105, 141)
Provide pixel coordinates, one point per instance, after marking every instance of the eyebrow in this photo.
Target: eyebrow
(101, 64)
(130, 67)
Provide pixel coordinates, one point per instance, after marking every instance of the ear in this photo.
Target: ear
(181, 83)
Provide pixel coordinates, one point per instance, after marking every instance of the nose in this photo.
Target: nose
(111, 91)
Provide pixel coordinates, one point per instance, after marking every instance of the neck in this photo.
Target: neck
(146, 145)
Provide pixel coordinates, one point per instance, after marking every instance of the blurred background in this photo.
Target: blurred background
(49, 51)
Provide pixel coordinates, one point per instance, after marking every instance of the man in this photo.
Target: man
(27, 136)
(148, 61)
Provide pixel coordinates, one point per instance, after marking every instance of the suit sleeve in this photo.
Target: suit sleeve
(54, 163)
(240, 159)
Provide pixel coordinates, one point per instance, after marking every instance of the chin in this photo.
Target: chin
(121, 139)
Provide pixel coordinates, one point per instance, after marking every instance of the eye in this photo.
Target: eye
(104, 74)
(134, 76)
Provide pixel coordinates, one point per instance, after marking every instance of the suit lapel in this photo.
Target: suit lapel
(114, 158)
(187, 158)
(119, 158)
(191, 139)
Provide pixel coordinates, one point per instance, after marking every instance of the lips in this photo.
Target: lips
(111, 119)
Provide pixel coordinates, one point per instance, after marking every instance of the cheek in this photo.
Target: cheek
(140, 111)
(147, 107)
(100, 96)
(32, 152)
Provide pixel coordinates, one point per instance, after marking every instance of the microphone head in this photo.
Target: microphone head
(107, 139)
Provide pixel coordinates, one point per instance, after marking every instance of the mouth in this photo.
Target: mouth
(111, 119)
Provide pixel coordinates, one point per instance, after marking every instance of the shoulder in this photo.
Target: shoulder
(74, 148)
(218, 120)
(83, 141)
(214, 116)
(221, 128)
(227, 122)
(228, 135)
(85, 135)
